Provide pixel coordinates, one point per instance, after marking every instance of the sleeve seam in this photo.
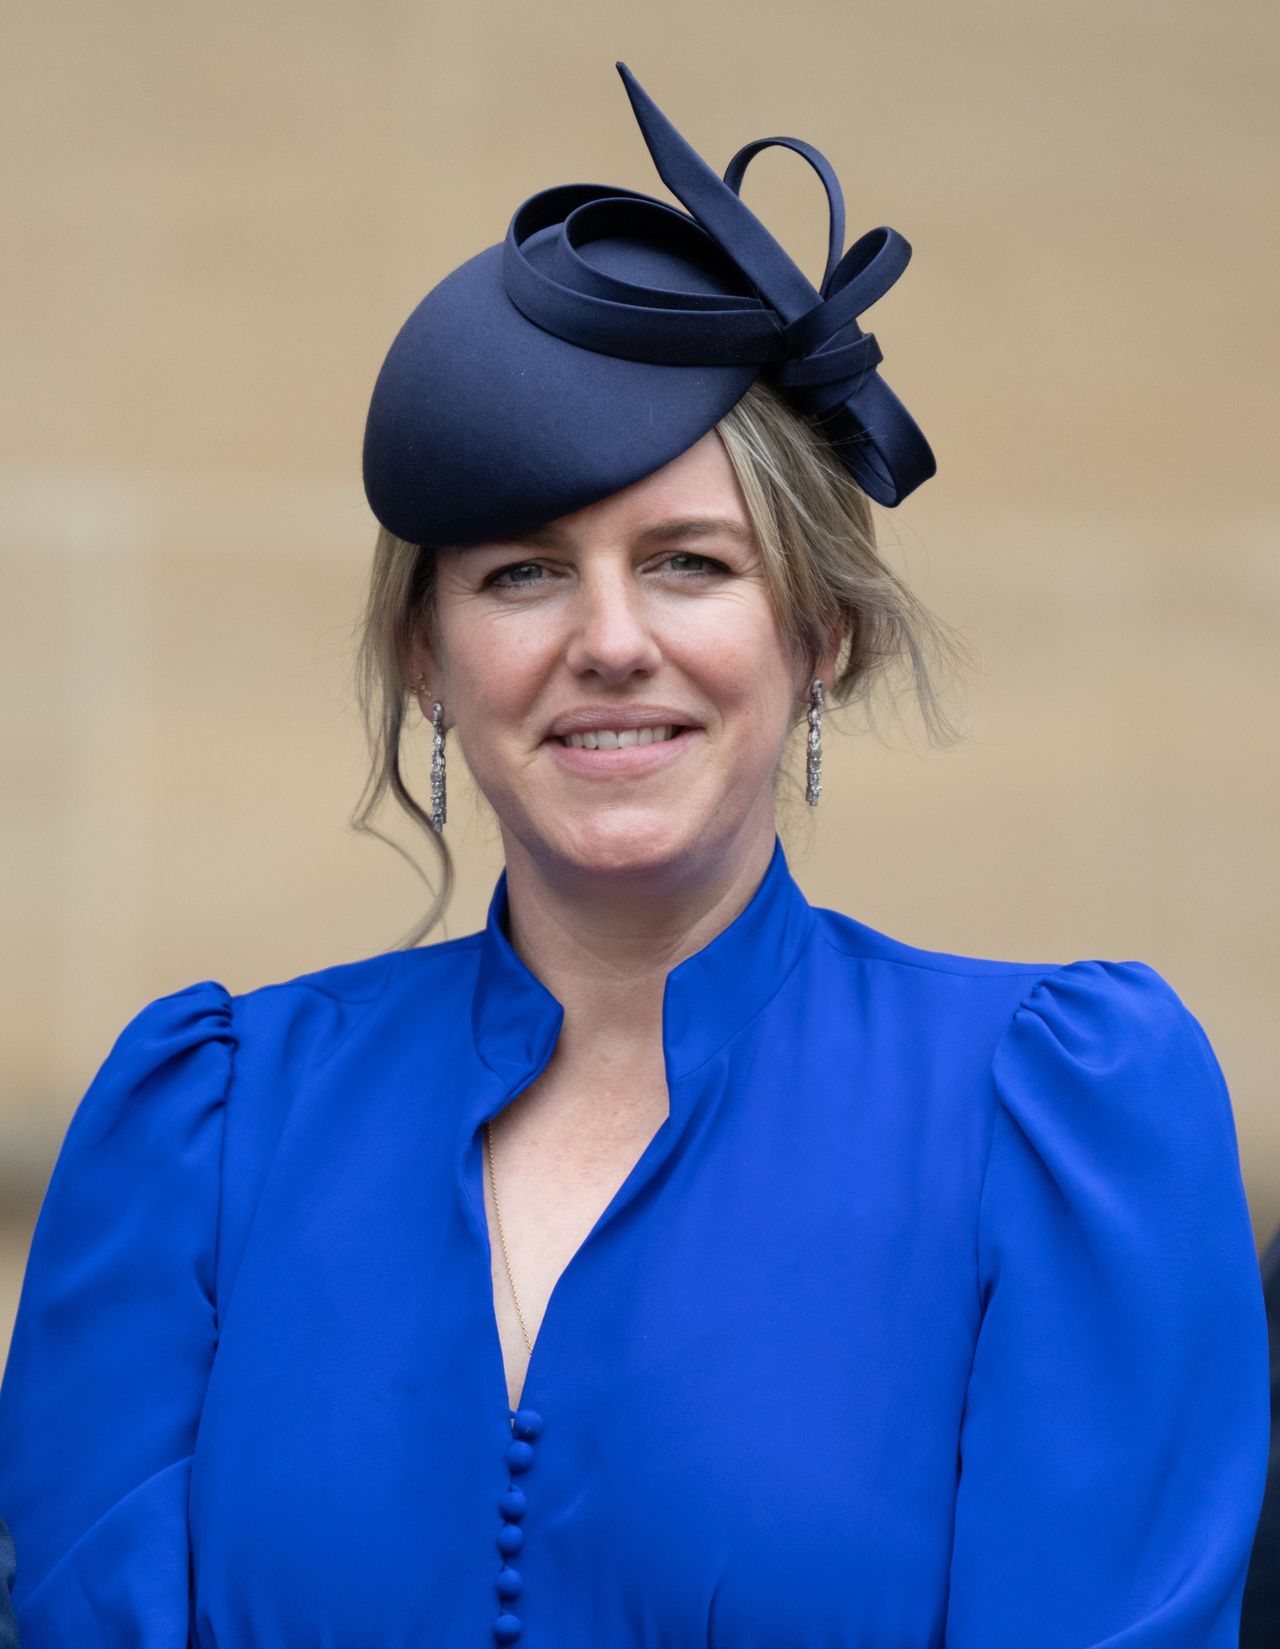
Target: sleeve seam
(974, 967)
(222, 1153)
(1023, 1005)
(988, 1150)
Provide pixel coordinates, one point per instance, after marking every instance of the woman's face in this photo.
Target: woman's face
(648, 609)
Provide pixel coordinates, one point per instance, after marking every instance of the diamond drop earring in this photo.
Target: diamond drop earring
(437, 765)
(813, 785)
(437, 759)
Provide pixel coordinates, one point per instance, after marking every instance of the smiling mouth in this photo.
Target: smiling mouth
(623, 738)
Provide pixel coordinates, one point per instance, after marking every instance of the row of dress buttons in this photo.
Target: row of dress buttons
(526, 1426)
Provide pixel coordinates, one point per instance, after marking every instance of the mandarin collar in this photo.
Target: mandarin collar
(708, 997)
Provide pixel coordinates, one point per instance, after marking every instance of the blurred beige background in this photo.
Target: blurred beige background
(215, 218)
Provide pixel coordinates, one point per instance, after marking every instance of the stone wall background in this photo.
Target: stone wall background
(215, 219)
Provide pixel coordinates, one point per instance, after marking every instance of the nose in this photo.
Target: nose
(611, 632)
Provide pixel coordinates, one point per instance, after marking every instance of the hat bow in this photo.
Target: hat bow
(740, 299)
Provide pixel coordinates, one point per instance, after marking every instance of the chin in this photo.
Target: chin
(627, 843)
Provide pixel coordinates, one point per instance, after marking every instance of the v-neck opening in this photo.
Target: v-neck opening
(493, 1248)
(516, 1024)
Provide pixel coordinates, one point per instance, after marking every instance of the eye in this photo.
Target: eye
(500, 576)
(523, 574)
(707, 564)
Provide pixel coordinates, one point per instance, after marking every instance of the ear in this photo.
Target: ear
(424, 674)
(828, 661)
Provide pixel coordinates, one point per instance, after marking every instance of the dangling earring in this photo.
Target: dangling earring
(437, 765)
(813, 786)
(437, 759)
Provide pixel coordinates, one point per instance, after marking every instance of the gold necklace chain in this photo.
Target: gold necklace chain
(493, 1186)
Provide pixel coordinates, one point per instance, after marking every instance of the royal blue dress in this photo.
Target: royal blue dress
(930, 1316)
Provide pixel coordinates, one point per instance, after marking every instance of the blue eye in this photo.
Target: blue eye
(516, 567)
(508, 577)
(696, 572)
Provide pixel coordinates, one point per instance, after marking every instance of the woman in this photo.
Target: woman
(670, 1262)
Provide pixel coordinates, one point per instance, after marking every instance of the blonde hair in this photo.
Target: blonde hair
(817, 539)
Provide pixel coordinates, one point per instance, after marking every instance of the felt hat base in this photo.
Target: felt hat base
(483, 426)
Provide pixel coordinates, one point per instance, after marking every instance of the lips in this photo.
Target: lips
(622, 761)
(619, 718)
(619, 738)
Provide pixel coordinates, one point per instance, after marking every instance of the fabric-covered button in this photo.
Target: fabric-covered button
(510, 1539)
(519, 1456)
(512, 1505)
(510, 1583)
(527, 1423)
(506, 1629)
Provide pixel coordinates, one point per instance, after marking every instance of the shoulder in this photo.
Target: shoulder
(321, 1000)
(952, 1002)
(851, 938)
(194, 1045)
(1110, 1116)
(1101, 1047)
(1102, 1021)
(1092, 992)
(170, 1066)
(202, 1078)
(1111, 1135)
(313, 1011)
(368, 978)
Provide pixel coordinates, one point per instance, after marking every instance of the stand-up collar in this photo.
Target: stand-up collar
(708, 998)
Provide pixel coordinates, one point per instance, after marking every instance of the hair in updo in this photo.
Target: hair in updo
(817, 539)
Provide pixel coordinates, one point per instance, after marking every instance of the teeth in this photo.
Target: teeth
(604, 738)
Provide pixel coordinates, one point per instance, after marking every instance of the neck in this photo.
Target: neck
(604, 944)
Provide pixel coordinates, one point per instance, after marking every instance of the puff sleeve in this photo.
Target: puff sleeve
(1113, 1447)
(114, 1339)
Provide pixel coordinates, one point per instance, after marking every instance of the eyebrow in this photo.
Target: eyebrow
(662, 532)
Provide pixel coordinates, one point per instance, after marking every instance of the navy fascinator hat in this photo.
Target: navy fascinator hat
(611, 331)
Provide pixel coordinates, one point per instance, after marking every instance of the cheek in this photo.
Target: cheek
(495, 669)
(737, 655)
